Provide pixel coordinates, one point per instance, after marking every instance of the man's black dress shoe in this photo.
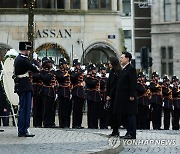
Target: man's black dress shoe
(114, 134)
(26, 135)
(128, 137)
(1, 130)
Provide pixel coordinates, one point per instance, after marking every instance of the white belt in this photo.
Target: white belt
(23, 75)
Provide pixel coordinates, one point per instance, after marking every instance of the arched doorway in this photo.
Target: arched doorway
(52, 50)
(98, 53)
(3, 49)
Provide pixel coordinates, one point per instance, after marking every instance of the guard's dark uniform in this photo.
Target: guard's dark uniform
(167, 102)
(37, 100)
(77, 80)
(65, 105)
(3, 106)
(23, 87)
(176, 103)
(156, 102)
(48, 93)
(143, 103)
(93, 97)
(102, 111)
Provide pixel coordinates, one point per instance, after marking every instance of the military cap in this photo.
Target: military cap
(155, 74)
(140, 74)
(165, 78)
(102, 67)
(91, 67)
(76, 62)
(174, 78)
(45, 60)
(25, 45)
(62, 61)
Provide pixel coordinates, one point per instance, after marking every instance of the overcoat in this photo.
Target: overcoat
(126, 87)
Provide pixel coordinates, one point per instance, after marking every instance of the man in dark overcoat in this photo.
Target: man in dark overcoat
(125, 100)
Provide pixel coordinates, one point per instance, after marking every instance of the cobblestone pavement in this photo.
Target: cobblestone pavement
(149, 141)
(87, 141)
(51, 141)
(153, 141)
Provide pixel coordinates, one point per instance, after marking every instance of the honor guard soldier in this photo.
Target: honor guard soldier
(37, 99)
(167, 102)
(48, 93)
(77, 80)
(103, 84)
(93, 96)
(156, 101)
(23, 87)
(143, 102)
(65, 106)
(176, 103)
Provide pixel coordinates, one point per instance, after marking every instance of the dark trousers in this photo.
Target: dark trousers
(65, 107)
(5, 119)
(156, 115)
(167, 113)
(103, 115)
(131, 124)
(176, 118)
(24, 112)
(142, 117)
(92, 114)
(116, 123)
(77, 111)
(130, 120)
(37, 111)
(48, 109)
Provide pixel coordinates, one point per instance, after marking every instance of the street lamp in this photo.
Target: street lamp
(31, 6)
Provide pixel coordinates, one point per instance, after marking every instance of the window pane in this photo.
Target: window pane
(163, 53)
(126, 7)
(105, 4)
(8, 3)
(178, 10)
(127, 33)
(93, 4)
(167, 10)
(75, 4)
(118, 5)
(60, 4)
(170, 52)
(163, 69)
(170, 69)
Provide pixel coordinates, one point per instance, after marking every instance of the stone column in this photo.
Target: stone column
(84, 5)
(67, 4)
(114, 5)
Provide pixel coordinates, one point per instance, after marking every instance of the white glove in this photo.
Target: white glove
(83, 67)
(163, 104)
(56, 97)
(173, 107)
(35, 56)
(107, 75)
(98, 74)
(147, 83)
(72, 68)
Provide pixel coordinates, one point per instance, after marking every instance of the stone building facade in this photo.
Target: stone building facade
(89, 30)
(166, 36)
